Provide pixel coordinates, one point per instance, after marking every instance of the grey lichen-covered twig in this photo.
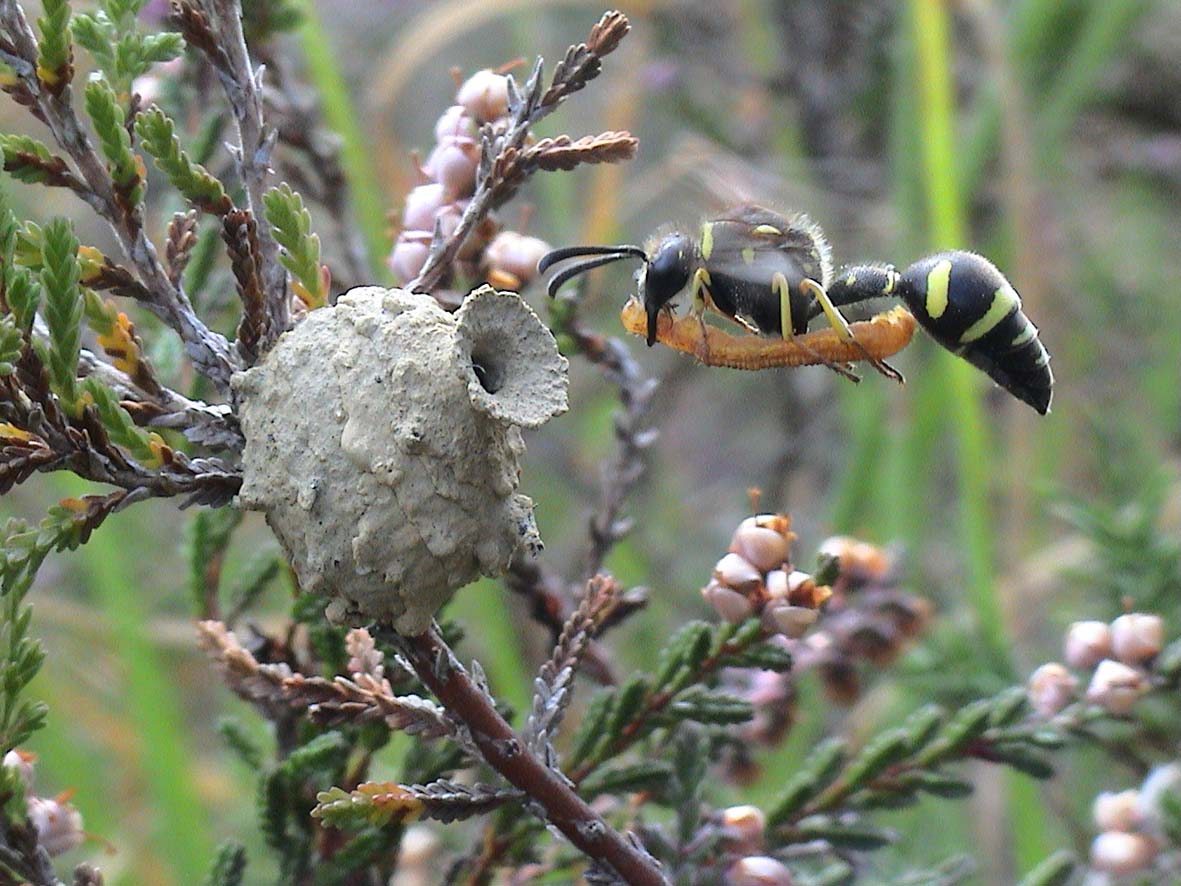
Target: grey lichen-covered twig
(209, 350)
(242, 83)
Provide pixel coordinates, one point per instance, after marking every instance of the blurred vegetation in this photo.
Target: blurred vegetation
(1046, 134)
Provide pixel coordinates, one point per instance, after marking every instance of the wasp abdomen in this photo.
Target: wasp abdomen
(968, 306)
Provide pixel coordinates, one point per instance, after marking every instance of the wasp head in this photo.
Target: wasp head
(664, 275)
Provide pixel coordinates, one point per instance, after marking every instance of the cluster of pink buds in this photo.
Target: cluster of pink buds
(507, 259)
(756, 578)
(1118, 656)
(1130, 823)
(58, 824)
(868, 619)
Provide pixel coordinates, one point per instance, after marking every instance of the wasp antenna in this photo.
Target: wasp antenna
(581, 268)
(551, 258)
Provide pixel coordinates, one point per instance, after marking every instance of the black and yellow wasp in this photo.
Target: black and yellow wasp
(773, 275)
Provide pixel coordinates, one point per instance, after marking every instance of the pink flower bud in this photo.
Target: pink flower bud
(58, 824)
(1137, 637)
(453, 165)
(1117, 811)
(736, 572)
(1159, 789)
(1087, 643)
(757, 540)
(484, 95)
(409, 255)
(758, 870)
(1116, 687)
(455, 123)
(730, 605)
(422, 203)
(1051, 688)
(1116, 852)
(791, 621)
(515, 254)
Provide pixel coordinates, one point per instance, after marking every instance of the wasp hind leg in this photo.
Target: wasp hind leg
(841, 326)
(780, 287)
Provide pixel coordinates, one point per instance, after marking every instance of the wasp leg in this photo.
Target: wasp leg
(841, 326)
(699, 293)
(782, 288)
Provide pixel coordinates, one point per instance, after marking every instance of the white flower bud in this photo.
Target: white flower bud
(759, 542)
(422, 203)
(791, 621)
(22, 762)
(1163, 781)
(1116, 852)
(455, 123)
(744, 826)
(1087, 643)
(1137, 637)
(777, 584)
(736, 572)
(1116, 686)
(1051, 688)
(58, 824)
(484, 95)
(729, 604)
(1117, 811)
(758, 870)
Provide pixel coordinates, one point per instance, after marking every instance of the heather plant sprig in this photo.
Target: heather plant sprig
(603, 775)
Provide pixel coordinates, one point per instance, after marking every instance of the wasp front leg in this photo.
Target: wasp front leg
(699, 303)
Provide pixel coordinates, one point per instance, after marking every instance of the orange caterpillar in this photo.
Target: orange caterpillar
(875, 339)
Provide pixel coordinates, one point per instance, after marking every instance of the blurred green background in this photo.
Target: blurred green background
(1043, 133)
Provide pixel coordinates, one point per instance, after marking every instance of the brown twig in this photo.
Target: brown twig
(505, 752)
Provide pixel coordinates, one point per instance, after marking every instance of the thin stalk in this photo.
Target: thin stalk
(946, 214)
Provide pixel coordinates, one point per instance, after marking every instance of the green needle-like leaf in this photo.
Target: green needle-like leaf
(63, 306)
(292, 227)
(157, 134)
(54, 54)
(110, 125)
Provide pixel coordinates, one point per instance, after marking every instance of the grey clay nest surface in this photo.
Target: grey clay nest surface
(384, 444)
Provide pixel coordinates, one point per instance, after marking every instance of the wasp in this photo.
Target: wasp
(772, 274)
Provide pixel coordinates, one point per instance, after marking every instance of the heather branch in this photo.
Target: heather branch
(211, 425)
(243, 87)
(208, 349)
(505, 752)
(732, 642)
(581, 64)
(556, 677)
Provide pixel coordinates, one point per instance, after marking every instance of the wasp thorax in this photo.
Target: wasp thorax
(383, 443)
